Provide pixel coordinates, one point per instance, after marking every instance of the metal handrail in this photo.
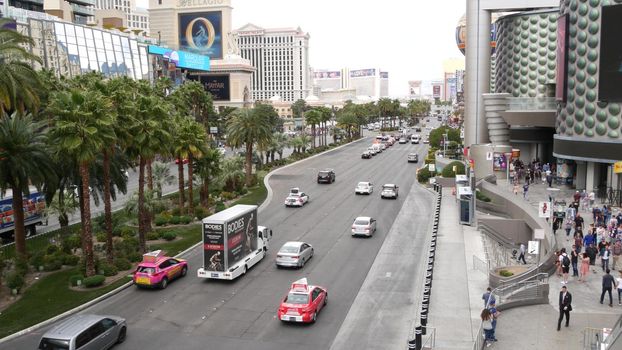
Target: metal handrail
(602, 338)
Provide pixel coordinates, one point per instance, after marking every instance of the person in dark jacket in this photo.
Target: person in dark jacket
(608, 284)
(591, 252)
(565, 306)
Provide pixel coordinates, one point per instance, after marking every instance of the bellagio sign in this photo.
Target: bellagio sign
(203, 3)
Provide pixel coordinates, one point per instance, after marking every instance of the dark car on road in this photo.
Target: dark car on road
(366, 155)
(326, 176)
(413, 158)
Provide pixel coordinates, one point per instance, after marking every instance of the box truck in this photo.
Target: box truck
(232, 242)
(34, 210)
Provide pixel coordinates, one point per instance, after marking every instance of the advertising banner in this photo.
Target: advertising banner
(362, 73)
(214, 247)
(560, 85)
(327, 75)
(34, 206)
(201, 32)
(182, 59)
(241, 237)
(617, 167)
(217, 85)
(544, 209)
(436, 91)
(499, 162)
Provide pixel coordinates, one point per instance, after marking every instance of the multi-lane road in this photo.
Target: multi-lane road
(205, 314)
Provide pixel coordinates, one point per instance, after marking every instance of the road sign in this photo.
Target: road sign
(533, 247)
(544, 209)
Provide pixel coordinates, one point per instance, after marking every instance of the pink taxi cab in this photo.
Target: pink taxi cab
(157, 270)
(302, 303)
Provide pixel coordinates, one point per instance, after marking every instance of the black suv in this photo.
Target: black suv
(326, 175)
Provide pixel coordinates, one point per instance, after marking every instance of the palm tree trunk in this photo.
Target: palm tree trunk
(180, 177)
(142, 229)
(249, 163)
(20, 230)
(87, 234)
(190, 186)
(205, 194)
(149, 175)
(107, 208)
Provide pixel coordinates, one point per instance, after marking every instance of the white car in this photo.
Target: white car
(389, 191)
(372, 150)
(402, 141)
(296, 198)
(364, 188)
(294, 254)
(364, 226)
(383, 146)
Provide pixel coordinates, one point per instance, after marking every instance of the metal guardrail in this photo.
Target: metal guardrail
(529, 288)
(531, 103)
(481, 265)
(603, 338)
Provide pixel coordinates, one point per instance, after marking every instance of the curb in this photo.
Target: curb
(128, 284)
(83, 306)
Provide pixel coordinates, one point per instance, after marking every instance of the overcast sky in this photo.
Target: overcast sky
(407, 38)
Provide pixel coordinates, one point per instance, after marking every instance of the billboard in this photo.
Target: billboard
(436, 91)
(182, 59)
(241, 237)
(213, 246)
(34, 206)
(217, 85)
(327, 75)
(562, 39)
(610, 70)
(362, 73)
(201, 32)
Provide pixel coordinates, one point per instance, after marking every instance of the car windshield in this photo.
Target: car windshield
(145, 269)
(387, 188)
(361, 222)
(289, 249)
(296, 298)
(323, 173)
(53, 344)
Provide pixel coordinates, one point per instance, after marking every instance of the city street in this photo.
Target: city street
(198, 314)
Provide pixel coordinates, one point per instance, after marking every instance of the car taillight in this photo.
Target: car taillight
(367, 228)
(353, 227)
(295, 257)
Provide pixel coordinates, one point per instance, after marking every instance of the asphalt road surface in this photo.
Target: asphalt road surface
(205, 314)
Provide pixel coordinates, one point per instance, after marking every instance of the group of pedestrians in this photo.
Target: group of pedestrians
(489, 316)
(532, 173)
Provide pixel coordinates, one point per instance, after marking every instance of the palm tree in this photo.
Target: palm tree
(161, 176)
(247, 128)
(190, 141)
(23, 160)
(64, 204)
(279, 142)
(347, 120)
(83, 126)
(207, 167)
(19, 81)
(231, 172)
(313, 117)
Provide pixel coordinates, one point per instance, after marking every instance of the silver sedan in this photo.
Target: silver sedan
(294, 254)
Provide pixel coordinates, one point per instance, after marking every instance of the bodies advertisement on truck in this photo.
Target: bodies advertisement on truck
(214, 246)
(34, 208)
(241, 237)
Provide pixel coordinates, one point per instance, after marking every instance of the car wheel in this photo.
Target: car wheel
(184, 271)
(122, 334)
(312, 251)
(244, 271)
(164, 283)
(326, 299)
(314, 317)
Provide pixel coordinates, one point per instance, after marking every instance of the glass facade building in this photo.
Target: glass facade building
(70, 49)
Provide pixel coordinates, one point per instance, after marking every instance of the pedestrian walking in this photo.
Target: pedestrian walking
(549, 179)
(521, 256)
(525, 189)
(487, 326)
(565, 306)
(591, 252)
(584, 200)
(604, 259)
(564, 261)
(585, 267)
(516, 188)
(608, 283)
(591, 197)
(495, 314)
(488, 297)
(617, 252)
(578, 222)
(619, 282)
(574, 259)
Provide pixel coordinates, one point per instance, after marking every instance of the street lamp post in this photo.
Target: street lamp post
(444, 144)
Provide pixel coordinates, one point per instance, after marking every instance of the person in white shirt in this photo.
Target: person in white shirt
(619, 282)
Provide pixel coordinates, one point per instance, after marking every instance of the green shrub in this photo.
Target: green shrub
(160, 220)
(127, 231)
(101, 237)
(71, 242)
(21, 265)
(200, 212)
(71, 260)
(122, 264)
(506, 273)
(94, 281)
(185, 219)
(107, 269)
(135, 257)
(176, 211)
(168, 235)
(152, 236)
(482, 197)
(52, 263)
(15, 280)
(73, 280)
(220, 206)
(227, 195)
(37, 259)
(243, 191)
(423, 175)
(175, 220)
(51, 249)
(127, 246)
(448, 170)
(82, 263)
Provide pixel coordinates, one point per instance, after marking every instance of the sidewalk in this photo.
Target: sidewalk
(455, 301)
(535, 327)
